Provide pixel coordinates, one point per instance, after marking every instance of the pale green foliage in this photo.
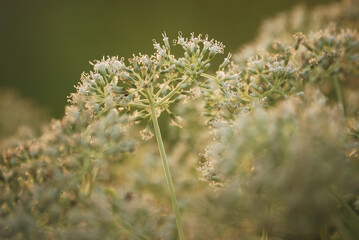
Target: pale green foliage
(278, 167)
(46, 180)
(289, 169)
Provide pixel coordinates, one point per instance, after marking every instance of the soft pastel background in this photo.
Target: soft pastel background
(45, 45)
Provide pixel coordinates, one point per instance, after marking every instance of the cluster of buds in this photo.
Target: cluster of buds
(151, 81)
(326, 58)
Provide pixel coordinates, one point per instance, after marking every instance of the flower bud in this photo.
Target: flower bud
(259, 65)
(158, 66)
(99, 79)
(160, 50)
(146, 133)
(232, 77)
(101, 68)
(176, 120)
(126, 77)
(184, 85)
(165, 40)
(225, 62)
(221, 75)
(179, 98)
(117, 90)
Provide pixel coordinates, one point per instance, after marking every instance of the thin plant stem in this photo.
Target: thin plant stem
(264, 234)
(166, 170)
(338, 91)
(265, 230)
(347, 221)
(324, 233)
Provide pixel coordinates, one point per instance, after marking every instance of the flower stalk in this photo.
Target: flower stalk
(148, 85)
(338, 92)
(166, 170)
(264, 234)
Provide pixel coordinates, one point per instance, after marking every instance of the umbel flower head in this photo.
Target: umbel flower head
(327, 58)
(156, 80)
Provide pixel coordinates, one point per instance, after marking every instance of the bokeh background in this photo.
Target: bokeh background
(45, 45)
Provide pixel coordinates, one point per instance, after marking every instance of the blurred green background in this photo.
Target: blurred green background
(45, 45)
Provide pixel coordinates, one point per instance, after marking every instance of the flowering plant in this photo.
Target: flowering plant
(278, 131)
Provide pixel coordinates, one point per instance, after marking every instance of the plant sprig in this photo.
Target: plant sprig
(149, 85)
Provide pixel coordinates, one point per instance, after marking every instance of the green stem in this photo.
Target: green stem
(172, 93)
(346, 220)
(324, 233)
(211, 77)
(208, 76)
(265, 229)
(264, 234)
(339, 93)
(138, 105)
(167, 171)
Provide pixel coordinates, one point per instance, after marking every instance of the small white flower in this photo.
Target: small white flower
(215, 49)
(101, 67)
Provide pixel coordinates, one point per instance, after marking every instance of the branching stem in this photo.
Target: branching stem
(172, 93)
